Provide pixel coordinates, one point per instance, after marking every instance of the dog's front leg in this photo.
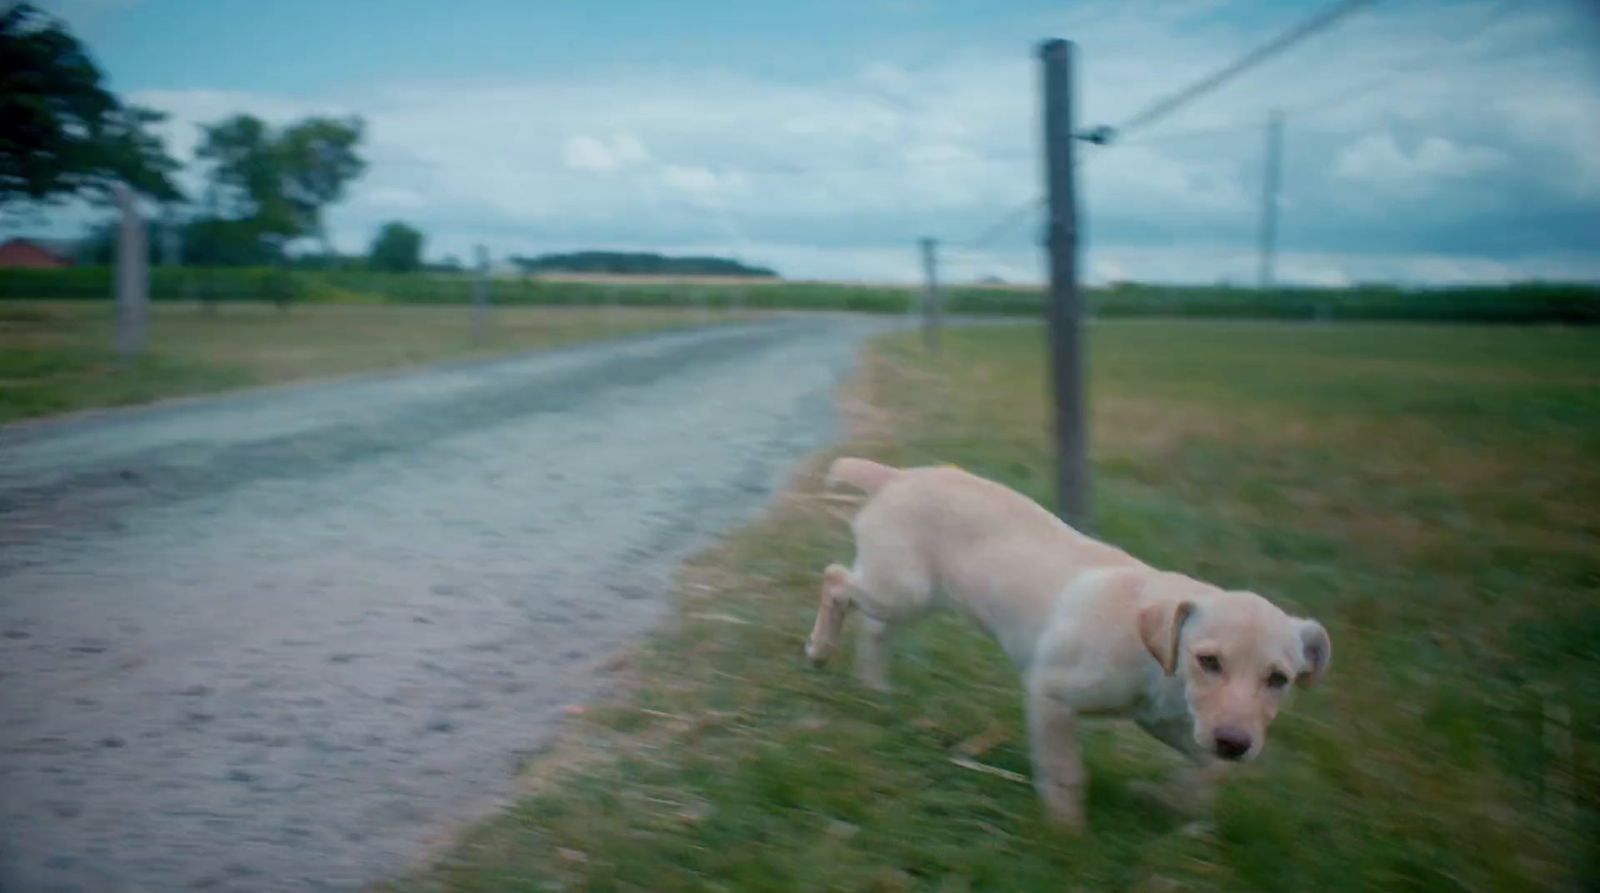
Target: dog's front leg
(1057, 769)
(1200, 781)
(1194, 788)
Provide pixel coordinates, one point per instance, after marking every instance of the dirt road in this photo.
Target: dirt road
(276, 641)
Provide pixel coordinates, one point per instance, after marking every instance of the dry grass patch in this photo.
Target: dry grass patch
(57, 357)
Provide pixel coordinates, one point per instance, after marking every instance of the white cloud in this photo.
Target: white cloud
(1205, 263)
(702, 181)
(393, 198)
(888, 77)
(1378, 159)
(191, 108)
(596, 155)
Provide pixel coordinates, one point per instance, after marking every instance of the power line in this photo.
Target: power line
(1181, 135)
(1289, 38)
(1011, 218)
(778, 167)
(1409, 67)
(1167, 106)
(1154, 112)
(1414, 65)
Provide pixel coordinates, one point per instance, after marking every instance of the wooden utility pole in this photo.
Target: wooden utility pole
(932, 309)
(1269, 197)
(133, 277)
(1064, 307)
(480, 299)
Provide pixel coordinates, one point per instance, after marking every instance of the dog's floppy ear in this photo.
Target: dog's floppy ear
(1160, 624)
(1316, 652)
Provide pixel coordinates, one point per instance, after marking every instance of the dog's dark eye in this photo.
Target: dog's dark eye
(1210, 663)
(1277, 680)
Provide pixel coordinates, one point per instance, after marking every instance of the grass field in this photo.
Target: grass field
(1519, 303)
(57, 356)
(1431, 494)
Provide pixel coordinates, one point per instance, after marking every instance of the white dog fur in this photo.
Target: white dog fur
(1093, 631)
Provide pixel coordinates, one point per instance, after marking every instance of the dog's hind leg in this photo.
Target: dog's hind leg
(840, 591)
(892, 587)
(872, 653)
(891, 583)
(832, 605)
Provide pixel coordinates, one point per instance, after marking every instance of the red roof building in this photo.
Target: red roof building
(32, 254)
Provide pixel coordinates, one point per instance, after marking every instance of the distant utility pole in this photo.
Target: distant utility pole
(932, 311)
(1064, 308)
(1269, 196)
(480, 298)
(171, 240)
(133, 278)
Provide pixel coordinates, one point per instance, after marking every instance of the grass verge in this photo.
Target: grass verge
(1429, 493)
(57, 357)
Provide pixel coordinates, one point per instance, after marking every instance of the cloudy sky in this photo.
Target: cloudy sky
(1426, 140)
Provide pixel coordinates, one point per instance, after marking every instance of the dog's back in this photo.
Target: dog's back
(941, 533)
(943, 502)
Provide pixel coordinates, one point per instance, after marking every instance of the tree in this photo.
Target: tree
(277, 182)
(219, 242)
(319, 158)
(245, 177)
(398, 248)
(638, 263)
(61, 132)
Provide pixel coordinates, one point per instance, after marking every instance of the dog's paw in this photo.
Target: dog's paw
(816, 657)
(876, 683)
(1068, 819)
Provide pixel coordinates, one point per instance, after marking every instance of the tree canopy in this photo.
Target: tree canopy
(278, 181)
(637, 263)
(398, 248)
(62, 133)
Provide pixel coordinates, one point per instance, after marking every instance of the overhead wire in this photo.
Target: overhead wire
(1166, 106)
(1415, 64)
(1410, 67)
(1171, 103)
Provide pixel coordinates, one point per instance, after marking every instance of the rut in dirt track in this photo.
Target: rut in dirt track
(277, 640)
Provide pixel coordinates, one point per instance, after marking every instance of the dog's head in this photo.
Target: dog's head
(1238, 655)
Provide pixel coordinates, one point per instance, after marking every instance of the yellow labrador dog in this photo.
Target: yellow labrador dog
(1093, 631)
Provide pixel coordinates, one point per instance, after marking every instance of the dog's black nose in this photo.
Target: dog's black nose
(1232, 744)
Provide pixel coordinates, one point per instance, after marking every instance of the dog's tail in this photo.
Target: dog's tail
(863, 474)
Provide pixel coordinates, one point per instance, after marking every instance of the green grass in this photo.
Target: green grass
(1524, 303)
(57, 356)
(1431, 494)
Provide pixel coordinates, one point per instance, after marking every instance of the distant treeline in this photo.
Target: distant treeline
(637, 263)
(1529, 303)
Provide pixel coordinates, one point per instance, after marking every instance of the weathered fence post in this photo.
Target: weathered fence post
(480, 299)
(133, 276)
(932, 309)
(1065, 307)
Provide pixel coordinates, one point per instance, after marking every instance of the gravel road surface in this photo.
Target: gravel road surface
(280, 640)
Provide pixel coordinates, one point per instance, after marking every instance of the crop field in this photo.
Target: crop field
(1524, 303)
